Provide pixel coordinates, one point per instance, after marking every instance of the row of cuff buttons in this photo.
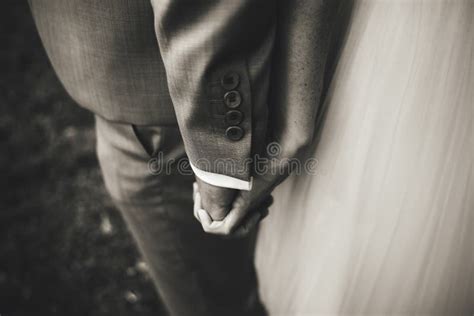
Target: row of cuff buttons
(232, 99)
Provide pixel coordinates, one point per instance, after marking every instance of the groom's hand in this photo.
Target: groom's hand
(249, 207)
(223, 227)
(215, 200)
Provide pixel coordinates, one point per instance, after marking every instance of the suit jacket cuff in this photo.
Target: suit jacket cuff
(221, 180)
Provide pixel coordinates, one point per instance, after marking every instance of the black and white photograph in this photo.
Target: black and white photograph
(237, 158)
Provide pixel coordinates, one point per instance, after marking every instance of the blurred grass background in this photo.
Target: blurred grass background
(64, 250)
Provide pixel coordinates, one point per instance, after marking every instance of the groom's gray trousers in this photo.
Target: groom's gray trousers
(195, 273)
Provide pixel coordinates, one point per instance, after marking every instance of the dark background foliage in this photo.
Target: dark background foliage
(64, 250)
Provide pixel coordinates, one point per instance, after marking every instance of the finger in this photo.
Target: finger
(237, 213)
(195, 189)
(240, 210)
(266, 204)
(211, 226)
(205, 219)
(264, 214)
(251, 222)
(244, 229)
(197, 205)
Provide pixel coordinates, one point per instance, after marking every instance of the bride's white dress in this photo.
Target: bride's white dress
(386, 226)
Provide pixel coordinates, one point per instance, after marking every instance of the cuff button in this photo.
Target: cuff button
(233, 117)
(234, 133)
(230, 81)
(232, 99)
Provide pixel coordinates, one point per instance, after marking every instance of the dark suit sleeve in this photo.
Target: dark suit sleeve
(217, 58)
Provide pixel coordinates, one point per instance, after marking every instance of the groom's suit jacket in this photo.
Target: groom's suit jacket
(231, 73)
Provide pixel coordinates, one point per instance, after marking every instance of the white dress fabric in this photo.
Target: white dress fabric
(386, 225)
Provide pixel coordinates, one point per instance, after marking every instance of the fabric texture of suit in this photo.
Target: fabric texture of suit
(163, 62)
(109, 59)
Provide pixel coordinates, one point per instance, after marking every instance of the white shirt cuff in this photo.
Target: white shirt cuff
(220, 180)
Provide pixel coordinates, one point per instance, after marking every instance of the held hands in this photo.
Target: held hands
(235, 222)
(235, 213)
